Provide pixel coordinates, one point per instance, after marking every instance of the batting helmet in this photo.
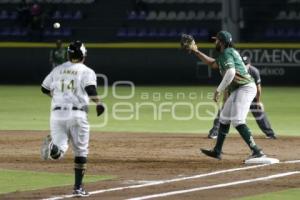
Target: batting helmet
(76, 50)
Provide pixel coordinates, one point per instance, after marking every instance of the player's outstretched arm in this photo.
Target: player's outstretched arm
(92, 92)
(205, 58)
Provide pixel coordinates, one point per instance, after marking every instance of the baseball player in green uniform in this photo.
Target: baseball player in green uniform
(58, 55)
(255, 108)
(241, 89)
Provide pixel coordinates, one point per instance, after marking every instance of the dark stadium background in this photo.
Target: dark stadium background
(138, 40)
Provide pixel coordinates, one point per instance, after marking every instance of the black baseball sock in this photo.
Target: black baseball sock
(247, 136)
(223, 130)
(80, 167)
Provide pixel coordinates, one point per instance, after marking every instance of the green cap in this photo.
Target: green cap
(224, 36)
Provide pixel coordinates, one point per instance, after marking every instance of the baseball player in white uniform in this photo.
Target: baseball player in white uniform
(71, 85)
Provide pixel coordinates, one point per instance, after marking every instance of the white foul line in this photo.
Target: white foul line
(292, 161)
(162, 181)
(215, 186)
(168, 181)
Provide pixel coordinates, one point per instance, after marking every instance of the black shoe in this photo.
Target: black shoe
(211, 153)
(257, 154)
(80, 193)
(213, 134)
(271, 137)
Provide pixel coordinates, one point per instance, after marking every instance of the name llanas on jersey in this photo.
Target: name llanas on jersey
(68, 71)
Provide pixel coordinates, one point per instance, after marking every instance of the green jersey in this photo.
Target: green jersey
(231, 58)
(58, 56)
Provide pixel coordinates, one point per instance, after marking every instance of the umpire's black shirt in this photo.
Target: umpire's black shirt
(254, 72)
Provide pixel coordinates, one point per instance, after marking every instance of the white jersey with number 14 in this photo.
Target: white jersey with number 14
(67, 84)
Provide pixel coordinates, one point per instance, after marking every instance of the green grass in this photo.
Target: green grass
(12, 180)
(26, 108)
(292, 194)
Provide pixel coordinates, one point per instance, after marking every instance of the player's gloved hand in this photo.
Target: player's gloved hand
(188, 43)
(100, 109)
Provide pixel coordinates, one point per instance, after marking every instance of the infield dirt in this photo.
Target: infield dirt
(134, 158)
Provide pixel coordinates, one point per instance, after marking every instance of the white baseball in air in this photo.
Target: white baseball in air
(56, 25)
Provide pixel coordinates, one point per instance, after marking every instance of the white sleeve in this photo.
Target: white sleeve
(48, 81)
(227, 79)
(89, 78)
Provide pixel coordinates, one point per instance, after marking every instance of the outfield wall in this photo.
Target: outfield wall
(149, 63)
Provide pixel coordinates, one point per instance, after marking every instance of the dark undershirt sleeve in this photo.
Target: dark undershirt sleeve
(45, 90)
(91, 90)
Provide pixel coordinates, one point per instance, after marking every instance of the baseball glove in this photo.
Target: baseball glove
(187, 42)
(100, 109)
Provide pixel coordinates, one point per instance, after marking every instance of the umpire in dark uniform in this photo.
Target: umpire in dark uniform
(256, 109)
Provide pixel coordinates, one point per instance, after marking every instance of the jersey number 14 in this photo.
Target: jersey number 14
(67, 86)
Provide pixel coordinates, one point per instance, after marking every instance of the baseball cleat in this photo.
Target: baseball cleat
(46, 147)
(211, 153)
(271, 137)
(257, 154)
(212, 135)
(80, 193)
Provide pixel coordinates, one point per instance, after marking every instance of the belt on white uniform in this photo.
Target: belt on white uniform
(73, 108)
